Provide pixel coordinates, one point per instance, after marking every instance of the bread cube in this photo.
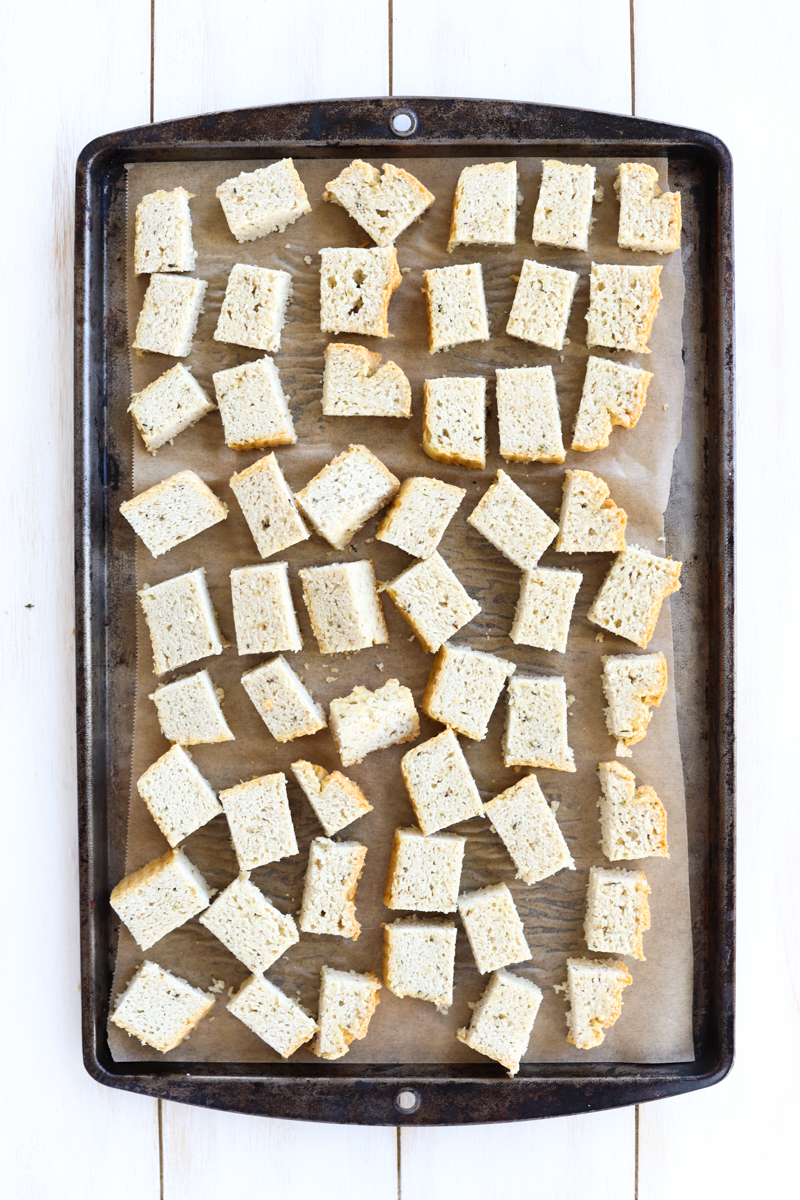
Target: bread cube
(424, 872)
(263, 201)
(589, 522)
(544, 608)
(260, 822)
(431, 599)
(419, 515)
(355, 288)
(344, 606)
(355, 385)
(159, 897)
(630, 599)
(384, 205)
(513, 523)
(173, 402)
(329, 889)
(177, 796)
(253, 407)
(463, 689)
(633, 684)
(564, 208)
(189, 711)
(456, 306)
(617, 912)
(335, 799)
(502, 1020)
(495, 931)
(439, 783)
(485, 206)
(263, 611)
(633, 823)
(173, 511)
(527, 412)
(160, 1009)
(163, 233)
(285, 706)
(454, 423)
(169, 316)
(594, 990)
(536, 724)
(623, 302)
(181, 621)
(249, 926)
(253, 310)
(419, 959)
(529, 831)
(272, 1016)
(648, 220)
(613, 394)
(366, 721)
(268, 506)
(342, 497)
(346, 1004)
(542, 304)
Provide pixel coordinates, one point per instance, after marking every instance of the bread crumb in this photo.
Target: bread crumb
(404, 270)
(665, 407)
(661, 539)
(554, 804)
(379, 666)
(599, 637)
(287, 246)
(217, 986)
(599, 193)
(307, 259)
(570, 699)
(330, 679)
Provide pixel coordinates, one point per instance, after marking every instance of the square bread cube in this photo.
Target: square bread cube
(594, 991)
(463, 689)
(485, 206)
(632, 593)
(181, 621)
(177, 796)
(272, 1016)
(263, 201)
(329, 889)
(439, 783)
(431, 599)
(335, 799)
(527, 413)
(424, 872)
(502, 1020)
(253, 407)
(648, 220)
(495, 931)
(456, 306)
(173, 402)
(454, 421)
(355, 288)
(344, 606)
(170, 311)
(346, 1004)
(159, 897)
(354, 384)
(268, 507)
(365, 721)
(542, 304)
(589, 522)
(633, 823)
(419, 515)
(160, 1009)
(284, 704)
(623, 302)
(253, 309)
(536, 724)
(513, 523)
(163, 233)
(384, 205)
(173, 511)
(529, 831)
(419, 959)
(617, 912)
(544, 608)
(254, 930)
(263, 611)
(564, 208)
(613, 394)
(342, 497)
(633, 684)
(260, 821)
(189, 711)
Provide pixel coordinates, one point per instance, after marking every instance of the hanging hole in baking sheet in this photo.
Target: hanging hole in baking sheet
(407, 1101)
(403, 122)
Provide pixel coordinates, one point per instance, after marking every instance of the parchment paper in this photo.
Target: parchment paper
(656, 1020)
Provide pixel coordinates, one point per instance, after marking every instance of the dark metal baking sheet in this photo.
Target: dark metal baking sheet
(699, 527)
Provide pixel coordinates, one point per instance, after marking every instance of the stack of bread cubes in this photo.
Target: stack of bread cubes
(342, 597)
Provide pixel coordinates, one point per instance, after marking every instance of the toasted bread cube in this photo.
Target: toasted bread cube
(623, 302)
(160, 1009)
(344, 606)
(589, 522)
(268, 507)
(527, 412)
(632, 593)
(159, 897)
(544, 608)
(272, 1016)
(263, 201)
(329, 890)
(177, 796)
(529, 831)
(384, 205)
(263, 612)
(419, 959)
(633, 684)
(189, 711)
(542, 304)
(594, 990)
(170, 312)
(286, 707)
(173, 511)
(613, 394)
(173, 402)
(648, 220)
(439, 783)
(355, 385)
(513, 523)
(253, 407)
(633, 823)
(254, 930)
(419, 515)
(181, 621)
(163, 233)
(424, 872)
(536, 724)
(463, 689)
(456, 306)
(253, 309)
(454, 423)
(495, 931)
(342, 497)
(485, 206)
(502, 1019)
(617, 912)
(431, 599)
(365, 721)
(346, 1004)
(564, 208)
(260, 821)
(355, 288)
(335, 799)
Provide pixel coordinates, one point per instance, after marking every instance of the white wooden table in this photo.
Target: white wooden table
(71, 72)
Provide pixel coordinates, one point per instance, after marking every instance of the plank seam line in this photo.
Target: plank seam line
(399, 1149)
(635, 1155)
(633, 59)
(160, 1153)
(391, 50)
(152, 57)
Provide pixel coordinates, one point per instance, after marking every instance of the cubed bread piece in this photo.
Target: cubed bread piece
(253, 407)
(424, 872)
(365, 721)
(419, 959)
(485, 206)
(355, 288)
(529, 831)
(454, 421)
(495, 931)
(617, 912)
(623, 302)
(594, 991)
(263, 612)
(268, 506)
(177, 796)
(589, 522)
(329, 889)
(527, 412)
(335, 799)
(263, 201)
(464, 687)
(355, 385)
(160, 1009)
(564, 208)
(544, 608)
(384, 205)
(633, 684)
(170, 312)
(159, 897)
(633, 823)
(431, 599)
(342, 497)
(613, 394)
(648, 219)
(260, 821)
(253, 309)
(456, 306)
(513, 523)
(173, 511)
(167, 406)
(272, 1016)
(439, 783)
(632, 593)
(181, 621)
(419, 515)
(502, 1019)
(347, 1001)
(189, 711)
(254, 930)
(163, 233)
(542, 304)
(284, 704)
(536, 724)
(344, 606)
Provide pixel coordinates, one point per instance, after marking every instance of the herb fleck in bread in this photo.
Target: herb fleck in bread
(177, 796)
(365, 721)
(260, 821)
(529, 831)
(456, 306)
(342, 497)
(253, 407)
(284, 704)
(170, 311)
(633, 684)
(485, 206)
(272, 1016)
(253, 309)
(355, 288)
(173, 402)
(495, 931)
(623, 302)
(590, 522)
(356, 385)
(181, 621)
(163, 233)
(632, 593)
(440, 784)
(263, 201)
(249, 926)
(527, 412)
(564, 208)
(633, 823)
(536, 724)
(502, 1019)
(347, 1002)
(432, 600)
(542, 304)
(463, 689)
(544, 608)
(159, 897)
(424, 872)
(189, 710)
(613, 394)
(513, 523)
(419, 959)
(344, 606)
(648, 219)
(419, 515)
(159, 1008)
(617, 912)
(268, 507)
(384, 205)
(594, 989)
(329, 890)
(335, 799)
(173, 511)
